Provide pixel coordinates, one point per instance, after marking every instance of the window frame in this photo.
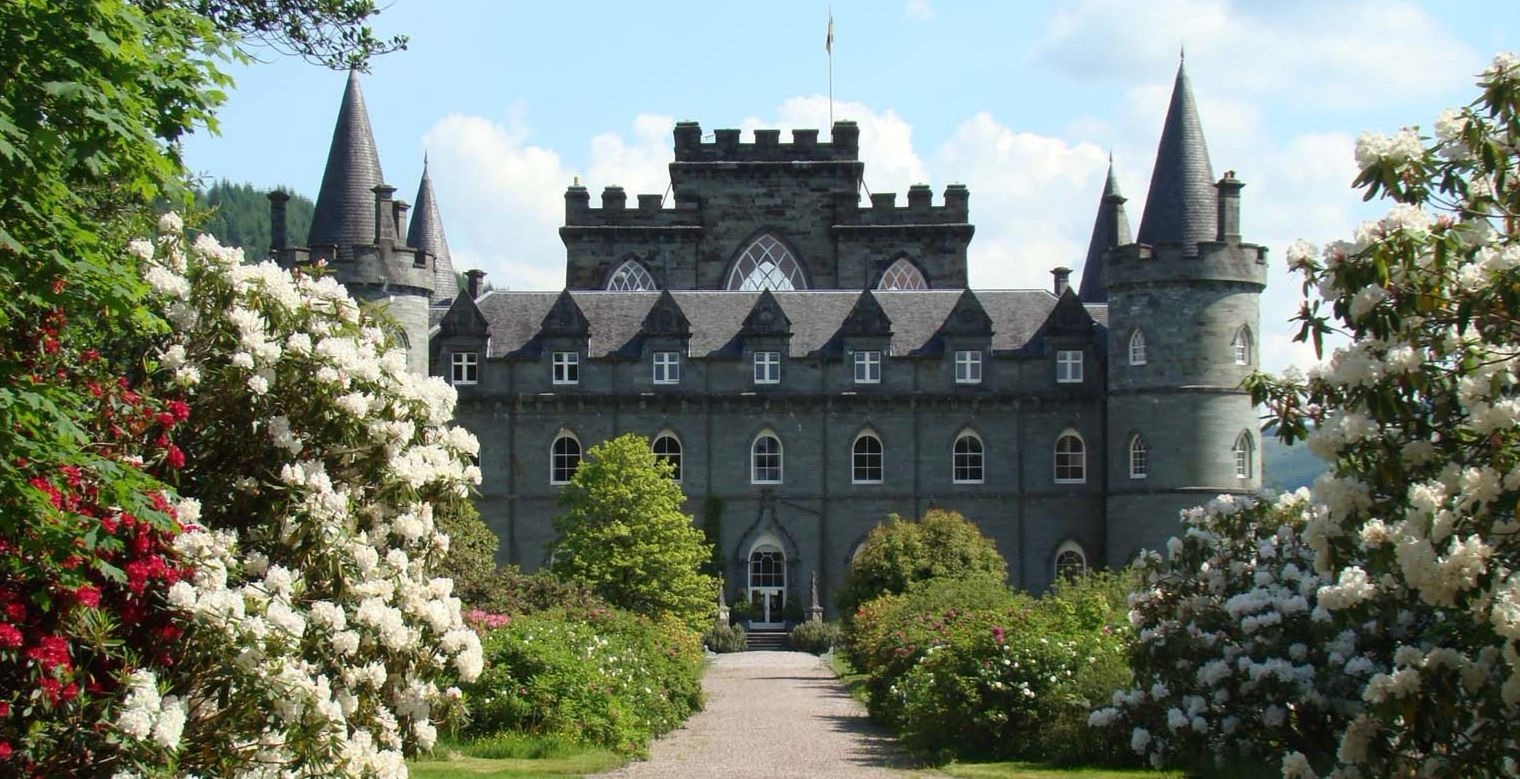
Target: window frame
(1063, 461)
(870, 360)
(470, 365)
(770, 362)
(676, 458)
(1138, 348)
(670, 361)
(1069, 548)
(566, 368)
(857, 467)
(1139, 457)
(968, 366)
(1244, 451)
(754, 459)
(1069, 366)
(1243, 346)
(957, 466)
(564, 464)
(631, 276)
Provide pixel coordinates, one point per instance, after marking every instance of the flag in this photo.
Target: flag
(828, 43)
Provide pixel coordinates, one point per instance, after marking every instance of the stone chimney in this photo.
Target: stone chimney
(279, 234)
(1229, 207)
(472, 282)
(1062, 280)
(385, 217)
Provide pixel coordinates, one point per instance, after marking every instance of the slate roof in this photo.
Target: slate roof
(717, 317)
(1181, 205)
(345, 210)
(426, 233)
(1110, 229)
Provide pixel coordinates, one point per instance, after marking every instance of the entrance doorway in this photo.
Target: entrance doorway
(767, 587)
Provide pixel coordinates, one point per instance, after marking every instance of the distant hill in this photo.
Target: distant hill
(241, 217)
(1288, 467)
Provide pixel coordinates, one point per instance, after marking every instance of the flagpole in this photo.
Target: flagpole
(828, 46)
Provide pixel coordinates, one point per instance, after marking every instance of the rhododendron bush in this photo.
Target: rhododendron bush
(1408, 566)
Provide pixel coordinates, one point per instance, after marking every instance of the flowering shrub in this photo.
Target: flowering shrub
(968, 669)
(609, 678)
(726, 638)
(815, 637)
(314, 470)
(1400, 653)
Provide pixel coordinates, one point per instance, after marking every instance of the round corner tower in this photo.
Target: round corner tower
(1183, 332)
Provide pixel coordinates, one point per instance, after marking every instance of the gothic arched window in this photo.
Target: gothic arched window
(564, 458)
(966, 459)
(1139, 458)
(865, 460)
(1241, 346)
(667, 448)
(902, 274)
(1137, 348)
(631, 276)
(1071, 458)
(766, 264)
(765, 459)
(1245, 451)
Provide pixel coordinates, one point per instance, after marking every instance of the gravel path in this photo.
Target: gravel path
(773, 714)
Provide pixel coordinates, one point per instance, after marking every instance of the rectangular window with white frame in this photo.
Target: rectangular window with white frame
(667, 367)
(868, 367)
(968, 366)
(1069, 366)
(567, 367)
(464, 367)
(767, 367)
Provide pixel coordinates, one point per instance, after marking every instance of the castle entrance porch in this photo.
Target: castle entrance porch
(767, 587)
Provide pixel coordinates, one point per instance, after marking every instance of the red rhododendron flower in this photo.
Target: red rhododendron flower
(88, 594)
(10, 637)
(176, 457)
(180, 409)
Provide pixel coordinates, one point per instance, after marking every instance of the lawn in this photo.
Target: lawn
(513, 756)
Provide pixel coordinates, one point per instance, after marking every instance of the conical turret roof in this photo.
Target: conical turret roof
(1110, 229)
(345, 212)
(1181, 205)
(426, 234)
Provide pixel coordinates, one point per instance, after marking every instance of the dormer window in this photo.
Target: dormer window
(867, 367)
(667, 367)
(1069, 366)
(567, 368)
(464, 367)
(767, 367)
(968, 366)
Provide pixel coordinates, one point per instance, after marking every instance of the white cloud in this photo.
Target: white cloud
(886, 139)
(1366, 52)
(918, 11)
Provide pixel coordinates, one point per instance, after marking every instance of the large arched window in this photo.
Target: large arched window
(1245, 456)
(1241, 346)
(766, 264)
(765, 459)
(1137, 347)
(1071, 561)
(865, 459)
(902, 274)
(667, 448)
(631, 276)
(1071, 459)
(564, 458)
(966, 459)
(1139, 458)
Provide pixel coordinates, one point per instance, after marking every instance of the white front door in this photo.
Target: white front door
(767, 587)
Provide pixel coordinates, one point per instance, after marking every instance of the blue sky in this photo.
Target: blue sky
(1021, 101)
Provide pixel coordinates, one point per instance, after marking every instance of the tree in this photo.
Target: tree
(1405, 571)
(240, 217)
(624, 536)
(899, 552)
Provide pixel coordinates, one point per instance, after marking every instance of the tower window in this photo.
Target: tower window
(968, 366)
(867, 367)
(866, 460)
(765, 460)
(564, 459)
(464, 367)
(766, 264)
(1241, 346)
(631, 276)
(1245, 450)
(567, 367)
(767, 367)
(902, 274)
(1069, 366)
(1071, 562)
(667, 448)
(667, 367)
(966, 459)
(1139, 452)
(1071, 459)
(1137, 348)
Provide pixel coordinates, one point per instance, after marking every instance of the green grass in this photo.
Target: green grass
(853, 680)
(513, 755)
(1021, 770)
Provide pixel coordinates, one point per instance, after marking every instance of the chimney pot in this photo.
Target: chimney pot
(1061, 280)
(472, 282)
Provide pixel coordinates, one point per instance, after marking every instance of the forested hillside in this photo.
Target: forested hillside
(1288, 467)
(240, 216)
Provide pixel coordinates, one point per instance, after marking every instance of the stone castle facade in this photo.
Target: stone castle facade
(810, 365)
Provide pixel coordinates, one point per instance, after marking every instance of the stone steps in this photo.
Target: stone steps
(767, 640)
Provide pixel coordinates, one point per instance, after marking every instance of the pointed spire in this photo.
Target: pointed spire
(1181, 206)
(1110, 229)
(426, 233)
(345, 212)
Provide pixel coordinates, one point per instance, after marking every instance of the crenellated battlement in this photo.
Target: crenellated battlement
(844, 145)
(1223, 261)
(884, 210)
(614, 211)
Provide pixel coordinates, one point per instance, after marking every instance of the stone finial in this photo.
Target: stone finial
(815, 611)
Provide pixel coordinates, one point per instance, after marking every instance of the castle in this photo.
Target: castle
(810, 365)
